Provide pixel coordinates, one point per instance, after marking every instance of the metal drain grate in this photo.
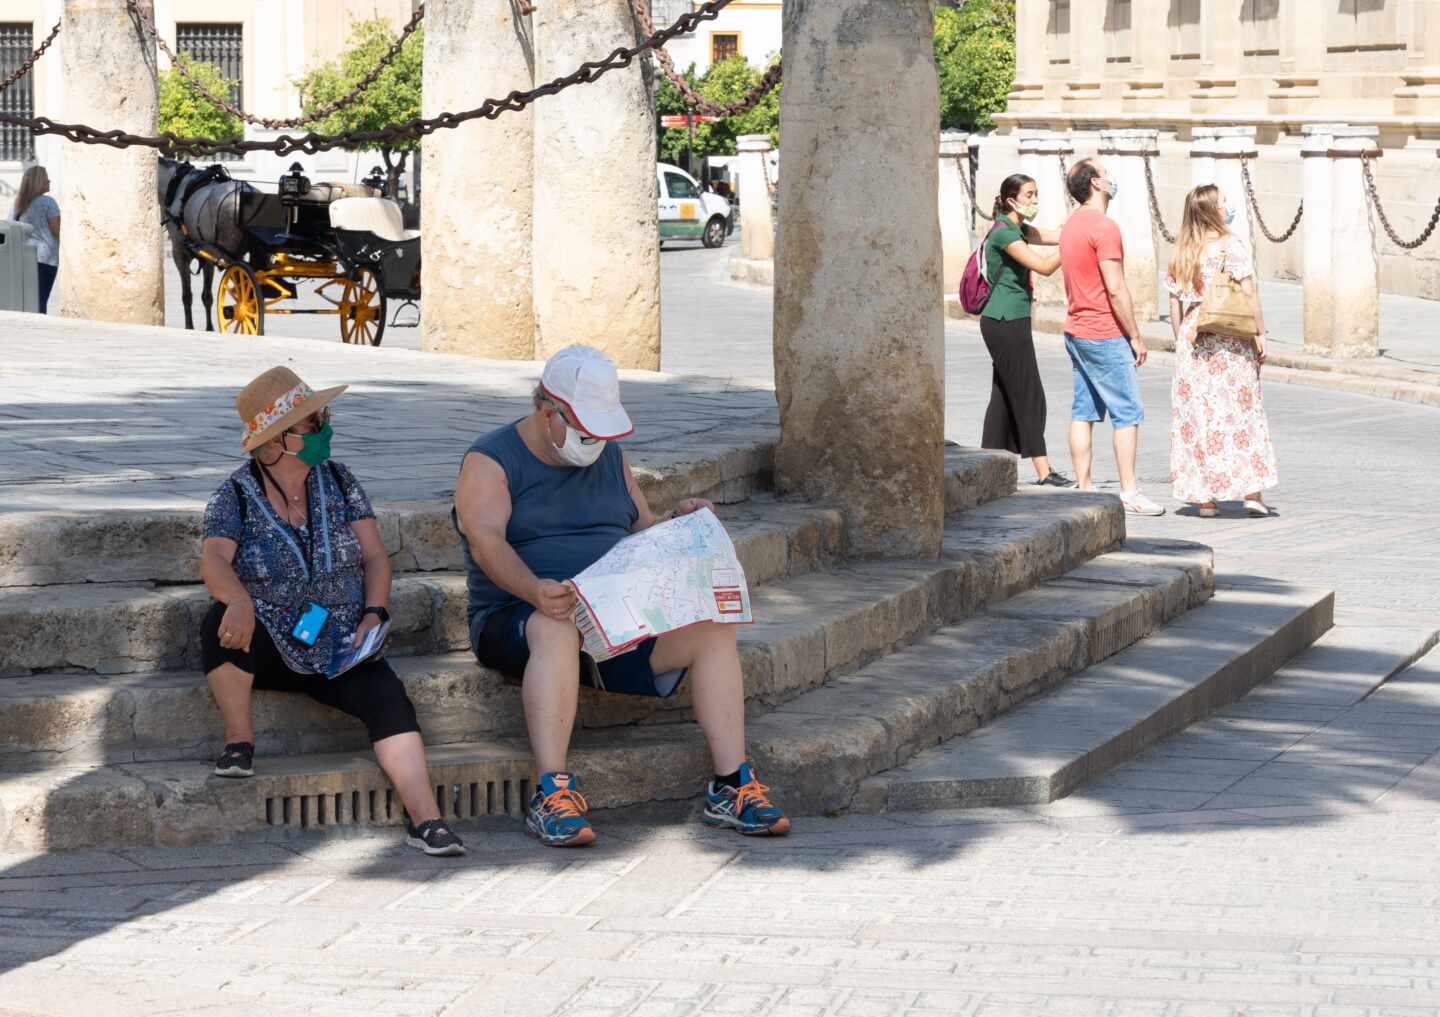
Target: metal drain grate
(462, 791)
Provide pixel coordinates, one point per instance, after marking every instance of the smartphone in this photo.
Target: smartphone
(307, 629)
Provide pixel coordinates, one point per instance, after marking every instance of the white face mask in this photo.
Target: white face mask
(574, 452)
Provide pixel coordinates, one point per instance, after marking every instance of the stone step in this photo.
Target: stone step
(809, 626)
(126, 628)
(815, 749)
(1049, 747)
(44, 549)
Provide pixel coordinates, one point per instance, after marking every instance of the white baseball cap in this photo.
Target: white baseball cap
(583, 380)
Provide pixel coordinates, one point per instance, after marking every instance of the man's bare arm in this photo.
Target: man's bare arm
(482, 503)
(1113, 273)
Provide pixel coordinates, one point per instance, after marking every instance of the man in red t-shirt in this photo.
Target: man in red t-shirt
(1101, 334)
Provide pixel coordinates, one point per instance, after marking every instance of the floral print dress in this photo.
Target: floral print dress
(1220, 447)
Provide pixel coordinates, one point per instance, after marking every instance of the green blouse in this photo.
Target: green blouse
(1009, 280)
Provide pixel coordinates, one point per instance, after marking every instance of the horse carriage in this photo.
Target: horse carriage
(353, 244)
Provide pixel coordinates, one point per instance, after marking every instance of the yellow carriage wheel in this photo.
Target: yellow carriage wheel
(242, 312)
(362, 308)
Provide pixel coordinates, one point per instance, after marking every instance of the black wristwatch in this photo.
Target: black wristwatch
(378, 612)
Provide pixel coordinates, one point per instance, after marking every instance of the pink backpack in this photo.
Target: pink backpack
(975, 283)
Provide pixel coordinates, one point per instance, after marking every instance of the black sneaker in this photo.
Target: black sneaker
(434, 837)
(238, 760)
(1055, 480)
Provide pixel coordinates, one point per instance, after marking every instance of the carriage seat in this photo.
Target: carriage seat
(379, 216)
(323, 192)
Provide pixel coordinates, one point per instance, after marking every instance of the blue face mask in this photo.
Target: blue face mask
(1229, 216)
(1113, 186)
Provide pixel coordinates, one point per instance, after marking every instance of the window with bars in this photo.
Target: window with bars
(17, 41)
(219, 44)
(723, 46)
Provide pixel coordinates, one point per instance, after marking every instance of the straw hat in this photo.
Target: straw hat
(275, 401)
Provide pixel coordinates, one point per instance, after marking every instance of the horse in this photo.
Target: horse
(205, 204)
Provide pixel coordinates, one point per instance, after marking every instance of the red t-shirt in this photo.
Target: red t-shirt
(1088, 238)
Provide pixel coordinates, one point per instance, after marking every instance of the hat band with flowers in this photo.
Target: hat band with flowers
(262, 421)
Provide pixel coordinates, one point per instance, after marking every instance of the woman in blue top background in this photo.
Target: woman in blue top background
(290, 536)
(1015, 419)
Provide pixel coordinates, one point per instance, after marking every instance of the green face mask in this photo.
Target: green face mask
(1027, 212)
(314, 447)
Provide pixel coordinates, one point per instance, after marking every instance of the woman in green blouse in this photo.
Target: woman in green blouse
(1015, 420)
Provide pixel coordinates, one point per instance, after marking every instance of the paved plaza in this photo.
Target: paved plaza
(1277, 860)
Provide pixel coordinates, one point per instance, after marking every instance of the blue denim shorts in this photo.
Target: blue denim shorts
(1105, 381)
(502, 643)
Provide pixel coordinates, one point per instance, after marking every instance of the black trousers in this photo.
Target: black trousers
(1015, 419)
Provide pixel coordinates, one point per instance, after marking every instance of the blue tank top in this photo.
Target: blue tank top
(562, 519)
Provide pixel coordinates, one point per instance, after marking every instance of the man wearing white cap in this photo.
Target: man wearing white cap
(538, 502)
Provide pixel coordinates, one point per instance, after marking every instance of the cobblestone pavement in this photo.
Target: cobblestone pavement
(1278, 860)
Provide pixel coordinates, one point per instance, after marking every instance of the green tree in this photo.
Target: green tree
(975, 55)
(394, 97)
(184, 112)
(724, 82)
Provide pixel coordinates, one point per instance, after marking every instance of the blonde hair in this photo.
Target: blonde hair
(1202, 217)
(32, 185)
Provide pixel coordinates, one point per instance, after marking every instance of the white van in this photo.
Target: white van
(687, 213)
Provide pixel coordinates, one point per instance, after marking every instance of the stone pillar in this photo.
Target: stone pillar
(1420, 93)
(1354, 248)
(1123, 154)
(955, 207)
(1316, 229)
(1087, 55)
(111, 265)
(1302, 64)
(1216, 82)
(1031, 57)
(1202, 157)
(476, 203)
(1040, 156)
(1150, 58)
(859, 328)
(597, 225)
(1231, 145)
(757, 224)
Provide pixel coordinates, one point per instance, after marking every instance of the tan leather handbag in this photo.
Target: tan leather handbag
(1226, 310)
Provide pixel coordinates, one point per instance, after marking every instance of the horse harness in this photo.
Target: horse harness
(193, 180)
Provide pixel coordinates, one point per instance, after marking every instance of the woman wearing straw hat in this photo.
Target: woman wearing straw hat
(293, 557)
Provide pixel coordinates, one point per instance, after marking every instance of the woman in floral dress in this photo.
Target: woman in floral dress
(1220, 446)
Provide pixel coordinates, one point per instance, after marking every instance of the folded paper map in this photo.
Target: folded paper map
(672, 575)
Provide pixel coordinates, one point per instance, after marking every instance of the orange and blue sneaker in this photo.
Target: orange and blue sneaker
(557, 813)
(746, 809)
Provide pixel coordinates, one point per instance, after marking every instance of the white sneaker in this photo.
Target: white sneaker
(1256, 509)
(1137, 504)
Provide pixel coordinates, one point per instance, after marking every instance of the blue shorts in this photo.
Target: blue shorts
(1105, 381)
(503, 645)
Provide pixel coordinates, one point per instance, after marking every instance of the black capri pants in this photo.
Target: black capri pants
(1015, 419)
(372, 692)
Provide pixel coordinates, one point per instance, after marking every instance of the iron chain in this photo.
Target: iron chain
(1155, 202)
(1255, 208)
(964, 170)
(147, 23)
(694, 99)
(24, 68)
(312, 143)
(1380, 211)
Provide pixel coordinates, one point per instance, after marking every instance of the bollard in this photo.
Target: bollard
(1041, 153)
(1318, 226)
(757, 224)
(476, 203)
(1354, 249)
(955, 207)
(1123, 153)
(597, 222)
(1217, 161)
(111, 262)
(859, 328)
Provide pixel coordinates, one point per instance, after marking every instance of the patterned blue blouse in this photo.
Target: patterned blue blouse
(280, 569)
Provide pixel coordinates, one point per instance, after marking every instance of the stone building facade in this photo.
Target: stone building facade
(266, 44)
(1176, 66)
